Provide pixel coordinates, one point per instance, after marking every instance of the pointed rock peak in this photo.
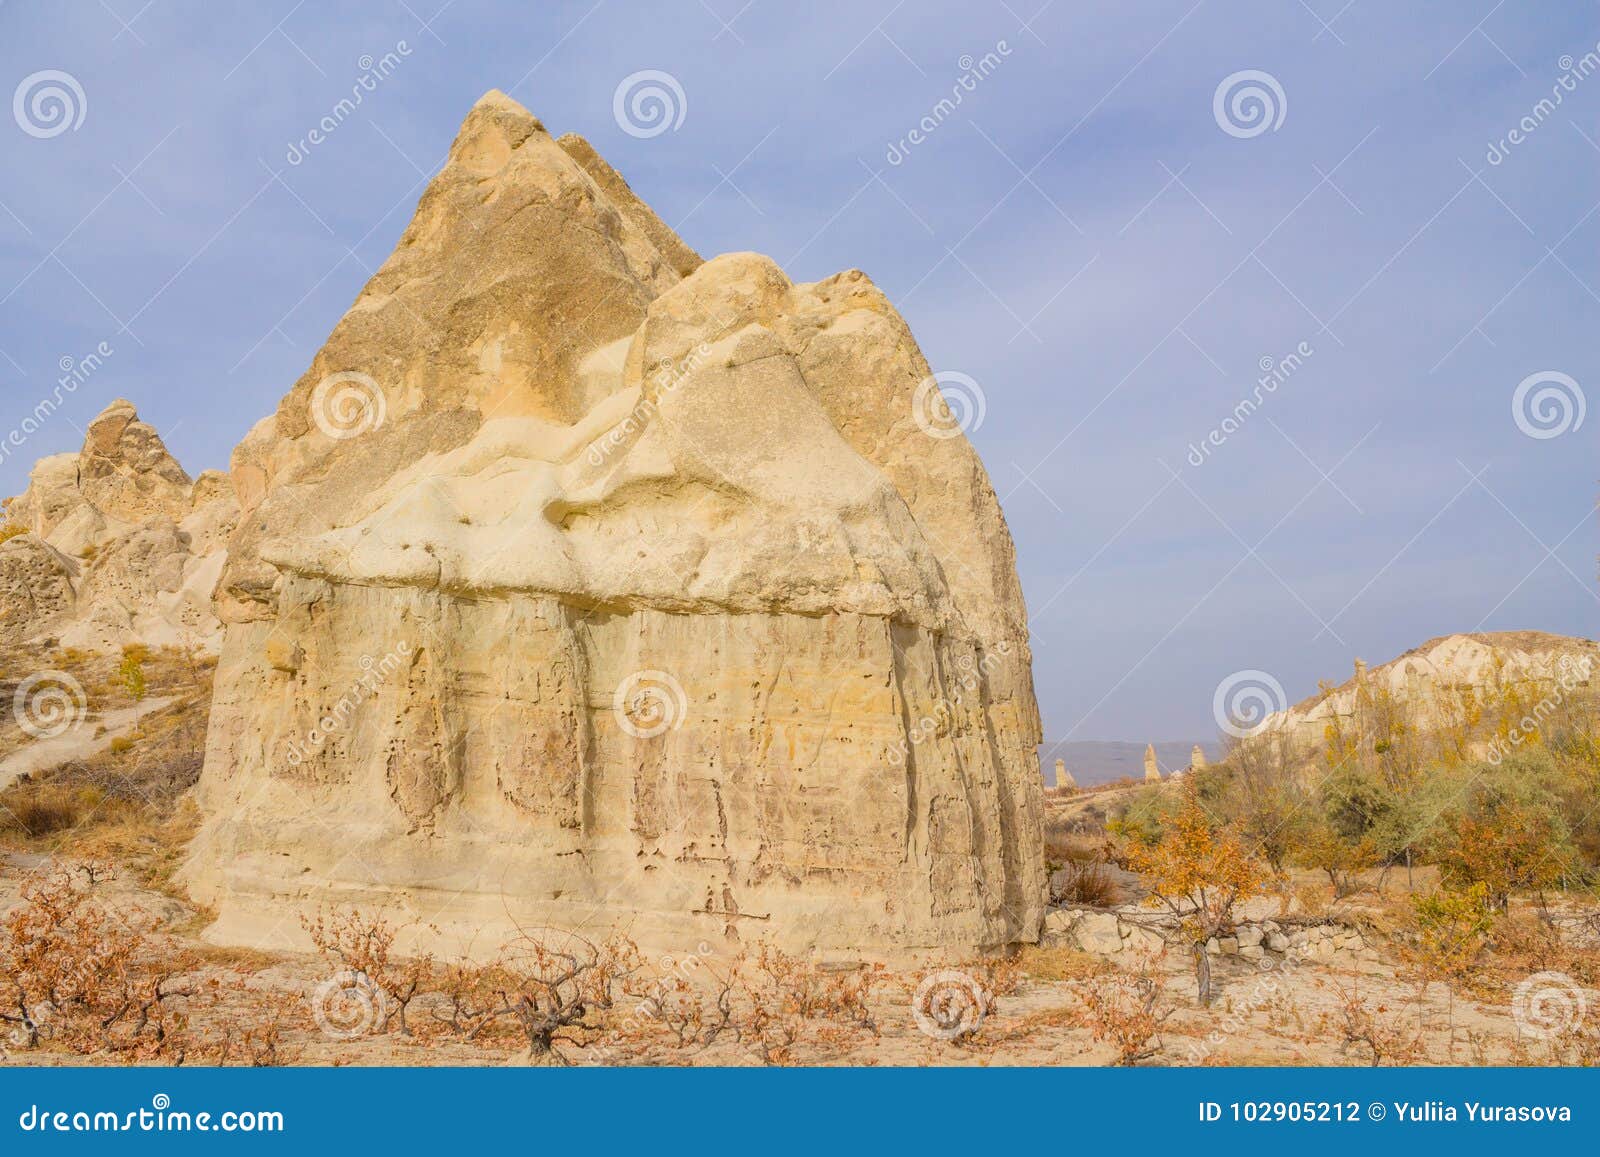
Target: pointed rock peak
(494, 129)
(1152, 770)
(496, 100)
(683, 259)
(496, 108)
(117, 441)
(108, 427)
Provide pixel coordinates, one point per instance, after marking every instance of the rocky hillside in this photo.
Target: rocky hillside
(1443, 678)
(114, 545)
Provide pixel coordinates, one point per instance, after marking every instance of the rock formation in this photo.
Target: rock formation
(1065, 784)
(585, 583)
(120, 545)
(1197, 759)
(1436, 678)
(1152, 770)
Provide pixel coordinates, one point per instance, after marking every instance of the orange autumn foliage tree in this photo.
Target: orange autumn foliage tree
(1512, 847)
(1198, 872)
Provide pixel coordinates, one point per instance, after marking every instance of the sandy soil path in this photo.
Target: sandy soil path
(88, 738)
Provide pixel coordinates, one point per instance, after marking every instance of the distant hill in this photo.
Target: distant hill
(1101, 761)
(1441, 667)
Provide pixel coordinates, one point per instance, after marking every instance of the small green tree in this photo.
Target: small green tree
(131, 673)
(1453, 927)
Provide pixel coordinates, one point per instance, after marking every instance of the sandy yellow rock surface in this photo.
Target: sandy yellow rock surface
(621, 590)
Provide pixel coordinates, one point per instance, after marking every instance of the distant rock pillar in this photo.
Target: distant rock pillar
(1197, 759)
(1064, 780)
(1152, 771)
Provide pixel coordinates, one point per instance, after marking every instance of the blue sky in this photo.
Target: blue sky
(1081, 237)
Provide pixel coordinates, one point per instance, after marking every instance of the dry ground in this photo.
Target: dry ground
(1048, 1006)
(114, 826)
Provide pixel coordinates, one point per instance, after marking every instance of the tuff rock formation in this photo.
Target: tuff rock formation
(121, 546)
(1437, 678)
(584, 583)
(1152, 770)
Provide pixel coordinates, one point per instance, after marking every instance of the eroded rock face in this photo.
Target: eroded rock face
(638, 598)
(122, 546)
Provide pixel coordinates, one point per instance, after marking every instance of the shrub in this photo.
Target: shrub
(1453, 928)
(1323, 848)
(559, 994)
(75, 975)
(364, 946)
(1386, 1036)
(1085, 883)
(1121, 1011)
(1198, 872)
(1509, 834)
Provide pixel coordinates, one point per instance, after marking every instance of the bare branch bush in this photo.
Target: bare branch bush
(560, 994)
(365, 945)
(1121, 1010)
(1387, 1036)
(81, 977)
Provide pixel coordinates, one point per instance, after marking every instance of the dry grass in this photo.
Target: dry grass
(1087, 884)
(35, 811)
(1063, 963)
(128, 803)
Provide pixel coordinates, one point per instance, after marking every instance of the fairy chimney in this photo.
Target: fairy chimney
(1152, 772)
